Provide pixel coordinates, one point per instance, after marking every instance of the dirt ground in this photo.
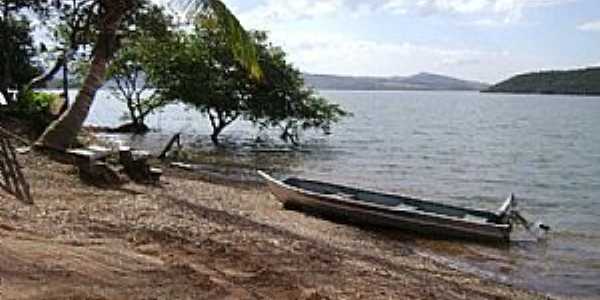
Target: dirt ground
(192, 239)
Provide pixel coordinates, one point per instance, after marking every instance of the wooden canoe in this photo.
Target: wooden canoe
(407, 213)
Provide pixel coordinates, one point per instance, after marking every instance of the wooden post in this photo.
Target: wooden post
(175, 138)
(136, 166)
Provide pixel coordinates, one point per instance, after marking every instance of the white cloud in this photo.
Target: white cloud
(272, 11)
(487, 22)
(467, 6)
(427, 7)
(319, 52)
(362, 9)
(496, 11)
(590, 26)
(483, 12)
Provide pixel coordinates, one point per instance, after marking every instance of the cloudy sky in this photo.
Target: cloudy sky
(486, 40)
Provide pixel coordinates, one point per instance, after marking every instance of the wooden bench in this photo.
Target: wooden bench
(136, 166)
(87, 155)
(93, 167)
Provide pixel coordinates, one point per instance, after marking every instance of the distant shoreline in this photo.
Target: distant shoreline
(587, 95)
(392, 91)
(417, 82)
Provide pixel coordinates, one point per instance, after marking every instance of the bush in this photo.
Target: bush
(35, 108)
(31, 103)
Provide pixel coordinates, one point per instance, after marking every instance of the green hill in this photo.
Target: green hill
(575, 82)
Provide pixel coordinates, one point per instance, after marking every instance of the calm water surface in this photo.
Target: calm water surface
(462, 148)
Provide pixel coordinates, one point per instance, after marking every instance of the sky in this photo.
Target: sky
(485, 40)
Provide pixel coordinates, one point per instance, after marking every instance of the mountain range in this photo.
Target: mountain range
(419, 82)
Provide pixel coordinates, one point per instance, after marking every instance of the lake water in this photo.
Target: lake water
(463, 148)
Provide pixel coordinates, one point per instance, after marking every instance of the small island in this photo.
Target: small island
(572, 82)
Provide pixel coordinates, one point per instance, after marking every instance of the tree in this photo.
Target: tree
(62, 133)
(73, 26)
(203, 73)
(132, 88)
(17, 46)
(283, 101)
(128, 72)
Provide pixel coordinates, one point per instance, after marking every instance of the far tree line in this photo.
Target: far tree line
(205, 60)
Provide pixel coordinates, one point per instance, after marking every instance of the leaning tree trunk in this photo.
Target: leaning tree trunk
(62, 133)
(43, 78)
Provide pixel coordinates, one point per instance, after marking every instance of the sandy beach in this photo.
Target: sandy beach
(192, 239)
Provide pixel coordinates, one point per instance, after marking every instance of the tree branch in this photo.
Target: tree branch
(48, 75)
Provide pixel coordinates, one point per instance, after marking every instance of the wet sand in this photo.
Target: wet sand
(192, 238)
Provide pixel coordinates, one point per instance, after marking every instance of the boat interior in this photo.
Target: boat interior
(393, 202)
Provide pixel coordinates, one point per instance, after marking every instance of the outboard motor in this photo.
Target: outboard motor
(536, 229)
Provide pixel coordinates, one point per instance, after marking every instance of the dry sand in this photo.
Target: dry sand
(191, 239)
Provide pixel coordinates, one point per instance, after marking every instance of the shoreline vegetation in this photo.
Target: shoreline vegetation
(582, 82)
(196, 237)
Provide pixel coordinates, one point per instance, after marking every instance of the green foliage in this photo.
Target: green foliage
(578, 82)
(198, 70)
(112, 14)
(17, 52)
(201, 70)
(128, 69)
(43, 12)
(283, 101)
(34, 107)
(236, 37)
(35, 103)
(39, 6)
(76, 22)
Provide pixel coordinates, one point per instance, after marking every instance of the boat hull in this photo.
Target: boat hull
(414, 221)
